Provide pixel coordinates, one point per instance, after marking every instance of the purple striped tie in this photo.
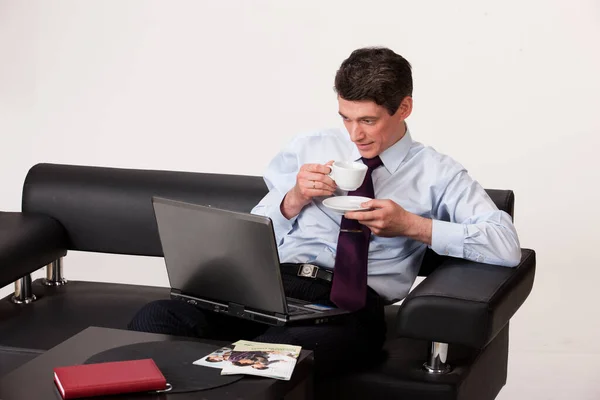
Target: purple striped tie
(349, 289)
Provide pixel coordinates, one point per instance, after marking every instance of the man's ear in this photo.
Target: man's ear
(405, 108)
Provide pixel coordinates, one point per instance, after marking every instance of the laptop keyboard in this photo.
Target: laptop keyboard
(295, 310)
(296, 307)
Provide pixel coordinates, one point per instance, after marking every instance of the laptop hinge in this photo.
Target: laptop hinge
(236, 309)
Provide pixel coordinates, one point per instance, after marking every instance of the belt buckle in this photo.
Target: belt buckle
(308, 271)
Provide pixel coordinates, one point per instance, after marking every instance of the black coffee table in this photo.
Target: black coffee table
(34, 380)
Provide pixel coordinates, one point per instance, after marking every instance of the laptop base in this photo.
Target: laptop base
(300, 312)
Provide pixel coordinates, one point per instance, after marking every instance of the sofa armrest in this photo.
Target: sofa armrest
(464, 302)
(27, 243)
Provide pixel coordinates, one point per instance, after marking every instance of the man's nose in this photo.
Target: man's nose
(355, 132)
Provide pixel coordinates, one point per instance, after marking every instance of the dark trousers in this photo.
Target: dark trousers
(352, 342)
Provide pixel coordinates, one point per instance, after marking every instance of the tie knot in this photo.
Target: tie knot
(372, 163)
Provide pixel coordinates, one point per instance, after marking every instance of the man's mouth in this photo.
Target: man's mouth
(364, 145)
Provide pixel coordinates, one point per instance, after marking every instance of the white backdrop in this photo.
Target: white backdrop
(507, 88)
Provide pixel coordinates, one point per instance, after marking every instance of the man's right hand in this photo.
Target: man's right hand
(312, 181)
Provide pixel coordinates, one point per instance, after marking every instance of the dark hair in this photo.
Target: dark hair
(377, 74)
(241, 364)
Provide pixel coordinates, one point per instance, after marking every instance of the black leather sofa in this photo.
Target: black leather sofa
(457, 317)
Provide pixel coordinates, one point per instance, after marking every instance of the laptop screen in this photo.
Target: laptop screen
(220, 255)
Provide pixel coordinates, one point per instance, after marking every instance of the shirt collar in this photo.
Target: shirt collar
(393, 156)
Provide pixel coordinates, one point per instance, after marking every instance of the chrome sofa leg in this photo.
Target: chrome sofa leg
(54, 274)
(23, 293)
(436, 363)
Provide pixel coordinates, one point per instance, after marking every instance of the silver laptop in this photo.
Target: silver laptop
(227, 262)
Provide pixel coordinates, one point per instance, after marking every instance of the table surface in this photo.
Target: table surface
(34, 380)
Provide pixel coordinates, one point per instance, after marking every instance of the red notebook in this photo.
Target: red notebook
(108, 378)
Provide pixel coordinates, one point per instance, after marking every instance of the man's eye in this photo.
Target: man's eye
(368, 121)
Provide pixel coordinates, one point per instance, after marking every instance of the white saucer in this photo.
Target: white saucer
(341, 204)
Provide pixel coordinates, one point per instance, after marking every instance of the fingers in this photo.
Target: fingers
(312, 181)
(368, 219)
(316, 188)
(375, 203)
(377, 210)
(363, 216)
(317, 193)
(314, 176)
(371, 219)
(384, 219)
(316, 168)
(319, 185)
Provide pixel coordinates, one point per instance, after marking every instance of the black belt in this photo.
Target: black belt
(307, 271)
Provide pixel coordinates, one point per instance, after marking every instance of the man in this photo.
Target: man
(420, 199)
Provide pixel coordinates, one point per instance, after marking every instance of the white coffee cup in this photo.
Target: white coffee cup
(348, 175)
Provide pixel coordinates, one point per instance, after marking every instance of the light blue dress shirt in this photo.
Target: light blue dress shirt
(466, 222)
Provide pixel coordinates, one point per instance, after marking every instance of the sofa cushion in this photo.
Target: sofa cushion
(61, 312)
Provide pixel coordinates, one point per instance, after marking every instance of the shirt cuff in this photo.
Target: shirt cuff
(448, 238)
(281, 225)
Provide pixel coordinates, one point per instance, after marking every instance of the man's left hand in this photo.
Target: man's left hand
(388, 219)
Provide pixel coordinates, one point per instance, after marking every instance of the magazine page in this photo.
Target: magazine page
(217, 359)
(262, 359)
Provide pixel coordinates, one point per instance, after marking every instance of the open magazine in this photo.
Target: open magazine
(254, 358)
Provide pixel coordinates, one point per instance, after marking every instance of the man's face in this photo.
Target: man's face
(371, 127)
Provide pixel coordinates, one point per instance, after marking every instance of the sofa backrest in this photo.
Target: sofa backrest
(109, 210)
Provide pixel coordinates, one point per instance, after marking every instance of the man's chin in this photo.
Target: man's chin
(367, 153)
